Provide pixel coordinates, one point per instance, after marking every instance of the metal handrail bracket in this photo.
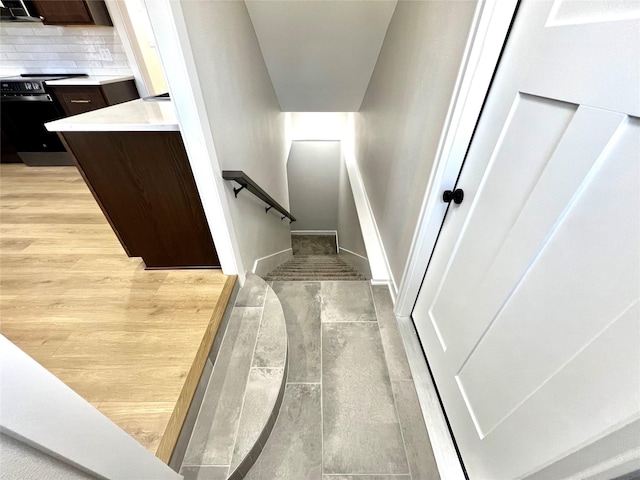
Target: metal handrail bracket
(244, 181)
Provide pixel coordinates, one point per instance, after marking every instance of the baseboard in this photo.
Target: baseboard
(360, 263)
(263, 266)
(393, 291)
(314, 232)
(444, 450)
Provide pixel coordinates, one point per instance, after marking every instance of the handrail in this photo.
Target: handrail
(244, 181)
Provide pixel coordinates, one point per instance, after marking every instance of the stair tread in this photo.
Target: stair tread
(313, 268)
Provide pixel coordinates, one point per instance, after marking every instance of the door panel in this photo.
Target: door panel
(561, 60)
(566, 298)
(497, 200)
(512, 242)
(528, 312)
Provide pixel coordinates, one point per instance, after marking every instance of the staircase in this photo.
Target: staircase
(314, 268)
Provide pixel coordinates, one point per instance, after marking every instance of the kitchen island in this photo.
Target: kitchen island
(134, 162)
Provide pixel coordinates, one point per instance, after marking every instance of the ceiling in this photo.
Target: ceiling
(320, 53)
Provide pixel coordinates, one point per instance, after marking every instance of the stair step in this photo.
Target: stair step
(318, 270)
(310, 268)
(247, 384)
(311, 272)
(313, 279)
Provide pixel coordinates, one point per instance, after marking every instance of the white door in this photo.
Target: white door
(529, 312)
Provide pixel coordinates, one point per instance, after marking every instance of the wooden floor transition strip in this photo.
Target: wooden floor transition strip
(174, 427)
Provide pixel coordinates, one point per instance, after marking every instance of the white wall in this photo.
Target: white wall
(20, 461)
(246, 123)
(313, 171)
(402, 116)
(37, 48)
(317, 125)
(144, 45)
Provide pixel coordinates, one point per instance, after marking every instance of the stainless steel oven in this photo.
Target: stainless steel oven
(26, 106)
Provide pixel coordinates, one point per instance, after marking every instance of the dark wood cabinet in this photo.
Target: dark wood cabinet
(80, 99)
(73, 12)
(144, 185)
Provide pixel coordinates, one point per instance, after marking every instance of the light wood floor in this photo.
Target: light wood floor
(123, 338)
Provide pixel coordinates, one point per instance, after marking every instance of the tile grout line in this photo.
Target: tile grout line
(366, 474)
(351, 321)
(321, 389)
(393, 392)
(244, 395)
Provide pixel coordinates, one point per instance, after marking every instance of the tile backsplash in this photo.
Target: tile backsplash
(37, 48)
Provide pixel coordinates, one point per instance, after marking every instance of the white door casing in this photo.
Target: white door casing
(529, 311)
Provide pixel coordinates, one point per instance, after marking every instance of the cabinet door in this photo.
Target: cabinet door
(76, 100)
(145, 186)
(63, 12)
(73, 12)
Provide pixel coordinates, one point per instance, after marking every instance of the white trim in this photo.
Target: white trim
(265, 265)
(172, 39)
(354, 253)
(489, 31)
(314, 232)
(121, 23)
(442, 445)
(378, 261)
(40, 410)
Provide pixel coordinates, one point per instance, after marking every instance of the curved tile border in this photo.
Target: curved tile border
(269, 366)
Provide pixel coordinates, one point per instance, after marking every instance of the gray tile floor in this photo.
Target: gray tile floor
(350, 410)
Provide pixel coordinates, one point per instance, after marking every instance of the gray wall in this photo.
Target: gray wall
(19, 461)
(314, 170)
(349, 231)
(403, 112)
(247, 125)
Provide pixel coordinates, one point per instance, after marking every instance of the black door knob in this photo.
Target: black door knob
(457, 196)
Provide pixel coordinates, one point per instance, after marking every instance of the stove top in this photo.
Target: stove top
(43, 76)
(30, 84)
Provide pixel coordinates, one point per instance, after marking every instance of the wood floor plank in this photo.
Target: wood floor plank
(130, 341)
(148, 432)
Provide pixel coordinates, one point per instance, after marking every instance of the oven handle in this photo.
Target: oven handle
(27, 98)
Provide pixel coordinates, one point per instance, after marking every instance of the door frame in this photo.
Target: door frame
(122, 25)
(488, 34)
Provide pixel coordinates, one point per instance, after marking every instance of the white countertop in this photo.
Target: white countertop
(88, 81)
(136, 115)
